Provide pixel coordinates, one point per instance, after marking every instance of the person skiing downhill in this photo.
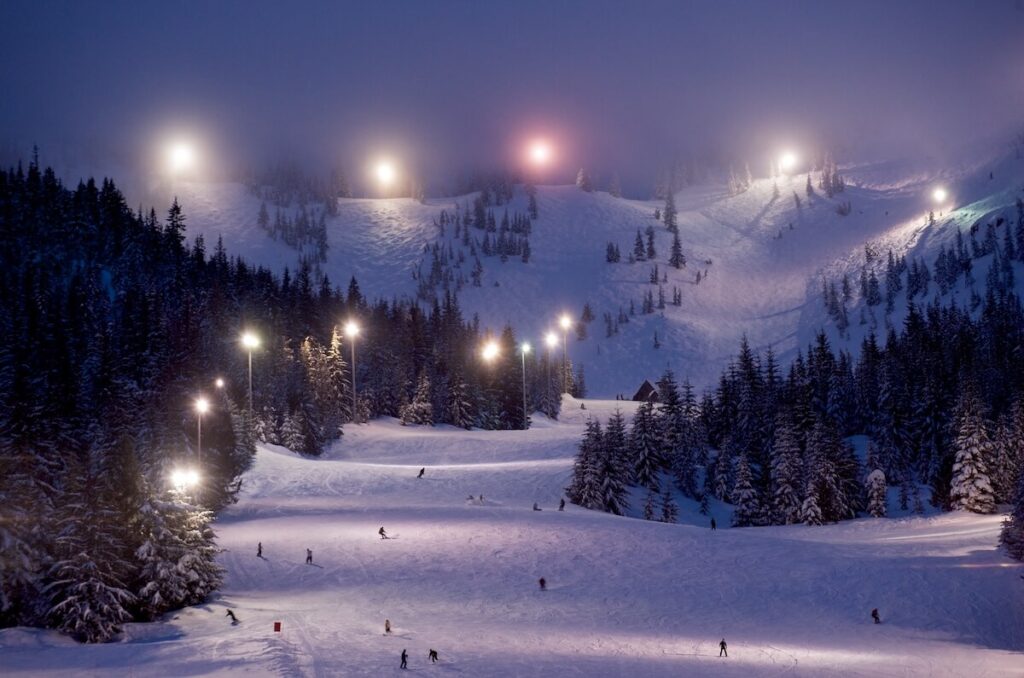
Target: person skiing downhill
(382, 533)
(405, 658)
(874, 615)
(722, 651)
(422, 471)
(432, 656)
(309, 557)
(234, 619)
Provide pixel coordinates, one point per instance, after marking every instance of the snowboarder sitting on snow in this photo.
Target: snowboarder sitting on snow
(234, 619)
(721, 648)
(543, 584)
(561, 504)
(382, 533)
(432, 656)
(535, 507)
(874, 615)
(387, 626)
(422, 471)
(309, 557)
(405, 658)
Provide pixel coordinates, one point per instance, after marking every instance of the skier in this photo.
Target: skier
(722, 648)
(432, 656)
(535, 507)
(874, 615)
(561, 504)
(309, 557)
(543, 584)
(387, 627)
(422, 471)
(405, 658)
(234, 619)
(259, 550)
(714, 525)
(382, 533)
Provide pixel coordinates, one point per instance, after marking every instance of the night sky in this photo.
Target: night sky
(444, 86)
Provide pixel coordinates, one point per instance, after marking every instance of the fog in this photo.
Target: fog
(442, 87)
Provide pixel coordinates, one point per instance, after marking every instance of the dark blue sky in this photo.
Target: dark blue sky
(443, 85)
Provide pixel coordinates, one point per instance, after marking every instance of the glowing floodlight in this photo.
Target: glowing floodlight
(184, 478)
(351, 329)
(181, 157)
(787, 161)
(202, 405)
(540, 152)
(385, 172)
(250, 340)
(939, 195)
(551, 339)
(525, 347)
(565, 322)
(218, 382)
(490, 351)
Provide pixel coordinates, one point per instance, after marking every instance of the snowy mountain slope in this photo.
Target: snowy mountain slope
(625, 597)
(767, 258)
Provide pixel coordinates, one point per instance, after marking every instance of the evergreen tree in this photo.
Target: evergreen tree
(748, 507)
(876, 494)
(669, 510)
(583, 181)
(646, 447)
(971, 489)
(419, 411)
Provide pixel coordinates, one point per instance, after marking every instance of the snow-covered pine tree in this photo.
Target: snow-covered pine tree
(971, 489)
(584, 489)
(615, 186)
(786, 473)
(677, 259)
(419, 411)
(613, 467)
(669, 214)
(810, 512)
(744, 496)
(669, 510)
(649, 505)
(646, 448)
(1012, 534)
(583, 181)
(876, 493)
(460, 406)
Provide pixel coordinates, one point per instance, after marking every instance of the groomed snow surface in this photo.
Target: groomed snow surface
(625, 597)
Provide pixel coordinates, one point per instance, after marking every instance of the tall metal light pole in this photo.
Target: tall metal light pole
(565, 322)
(524, 349)
(250, 341)
(551, 339)
(202, 407)
(351, 330)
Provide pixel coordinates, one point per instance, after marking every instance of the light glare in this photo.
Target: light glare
(525, 348)
(218, 382)
(181, 157)
(351, 329)
(202, 405)
(787, 161)
(184, 478)
(540, 152)
(250, 340)
(939, 195)
(565, 321)
(551, 339)
(385, 172)
(490, 351)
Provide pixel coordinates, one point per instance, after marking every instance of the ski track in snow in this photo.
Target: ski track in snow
(625, 597)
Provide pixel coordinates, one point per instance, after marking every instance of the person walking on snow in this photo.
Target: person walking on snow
(874, 615)
(714, 525)
(234, 619)
(543, 584)
(387, 627)
(422, 471)
(382, 533)
(405, 658)
(259, 550)
(561, 504)
(432, 656)
(309, 557)
(722, 649)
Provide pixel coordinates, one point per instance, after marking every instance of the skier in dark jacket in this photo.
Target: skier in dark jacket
(234, 619)
(722, 648)
(382, 533)
(309, 557)
(714, 525)
(432, 656)
(874, 615)
(422, 471)
(387, 627)
(561, 504)
(405, 658)
(259, 550)
(543, 584)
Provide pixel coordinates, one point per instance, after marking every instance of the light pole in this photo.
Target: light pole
(524, 349)
(551, 339)
(351, 330)
(202, 407)
(565, 322)
(250, 341)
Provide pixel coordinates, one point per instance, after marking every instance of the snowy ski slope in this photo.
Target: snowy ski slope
(625, 597)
